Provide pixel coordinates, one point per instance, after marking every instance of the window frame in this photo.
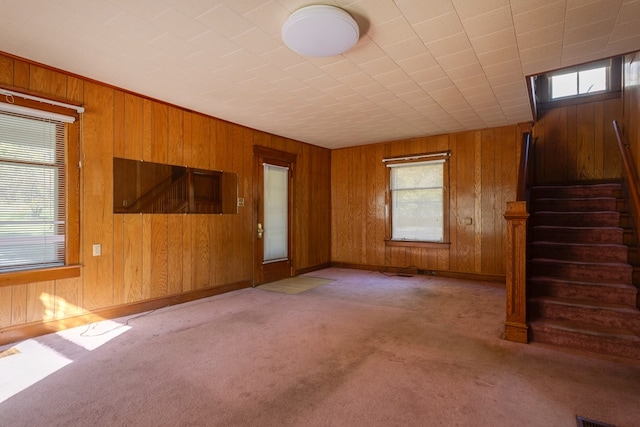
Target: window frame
(418, 158)
(542, 84)
(71, 267)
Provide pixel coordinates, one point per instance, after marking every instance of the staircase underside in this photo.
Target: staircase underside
(580, 288)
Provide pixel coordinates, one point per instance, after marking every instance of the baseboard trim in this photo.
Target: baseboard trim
(313, 268)
(498, 278)
(31, 330)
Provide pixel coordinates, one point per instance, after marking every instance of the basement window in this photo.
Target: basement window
(583, 83)
(417, 200)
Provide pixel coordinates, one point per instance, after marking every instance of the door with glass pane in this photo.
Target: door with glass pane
(274, 172)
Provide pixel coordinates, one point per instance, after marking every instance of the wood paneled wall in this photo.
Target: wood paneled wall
(483, 178)
(146, 257)
(577, 142)
(631, 122)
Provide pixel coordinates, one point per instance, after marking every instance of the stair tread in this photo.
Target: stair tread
(595, 227)
(587, 304)
(550, 212)
(589, 330)
(600, 264)
(578, 244)
(583, 283)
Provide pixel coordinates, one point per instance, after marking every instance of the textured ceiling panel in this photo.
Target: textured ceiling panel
(421, 67)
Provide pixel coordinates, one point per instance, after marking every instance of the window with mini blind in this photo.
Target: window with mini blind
(418, 199)
(33, 208)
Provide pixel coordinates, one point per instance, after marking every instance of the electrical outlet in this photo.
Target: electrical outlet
(240, 201)
(97, 250)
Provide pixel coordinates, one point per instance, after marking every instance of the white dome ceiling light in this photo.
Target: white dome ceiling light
(320, 30)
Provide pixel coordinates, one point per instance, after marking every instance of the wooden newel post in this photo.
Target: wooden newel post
(515, 326)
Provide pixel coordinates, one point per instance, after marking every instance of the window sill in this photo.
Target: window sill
(39, 275)
(417, 244)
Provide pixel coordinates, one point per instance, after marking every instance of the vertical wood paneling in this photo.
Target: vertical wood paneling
(200, 256)
(159, 255)
(98, 196)
(159, 133)
(40, 301)
(119, 126)
(175, 150)
(21, 74)
(133, 127)
(6, 72)
(488, 201)
(577, 142)
(586, 142)
(147, 255)
(133, 258)
(174, 254)
(48, 82)
(19, 304)
(5, 306)
(119, 291)
(68, 298)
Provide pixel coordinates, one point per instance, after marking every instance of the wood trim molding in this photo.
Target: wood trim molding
(312, 268)
(30, 276)
(497, 278)
(26, 331)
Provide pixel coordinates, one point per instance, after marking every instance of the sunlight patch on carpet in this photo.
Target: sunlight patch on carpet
(295, 285)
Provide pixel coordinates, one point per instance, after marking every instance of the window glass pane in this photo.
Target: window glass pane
(593, 80)
(32, 213)
(418, 215)
(276, 230)
(417, 204)
(564, 85)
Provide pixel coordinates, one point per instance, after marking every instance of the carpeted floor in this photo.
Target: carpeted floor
(295, 285)
(362, 350)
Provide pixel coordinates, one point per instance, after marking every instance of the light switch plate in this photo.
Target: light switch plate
(97, 250)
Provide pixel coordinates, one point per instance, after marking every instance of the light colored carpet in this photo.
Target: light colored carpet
(295, 285)
(366, 350)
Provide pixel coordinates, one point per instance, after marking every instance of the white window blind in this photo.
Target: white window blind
(417, 204)
(32, 189)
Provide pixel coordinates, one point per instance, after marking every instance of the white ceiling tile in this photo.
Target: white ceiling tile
(491, 22)
(439, 28)
(541, 17)
(225, 21)
(450, 45)
(406, 49)
(420, 66)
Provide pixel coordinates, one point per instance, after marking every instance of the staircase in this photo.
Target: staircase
(580, 291)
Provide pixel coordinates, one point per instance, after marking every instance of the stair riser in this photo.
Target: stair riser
(576, 219)
(603, 345)
(591, 292)
(598, 316)
(580, 253)
(574, 191)
(582, 205)
(579, 235)
(582, 272)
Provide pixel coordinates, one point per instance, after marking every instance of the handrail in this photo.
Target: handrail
(632, 176)
(523, 172)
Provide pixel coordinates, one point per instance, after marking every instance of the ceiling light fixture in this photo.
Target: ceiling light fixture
(320, 30)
